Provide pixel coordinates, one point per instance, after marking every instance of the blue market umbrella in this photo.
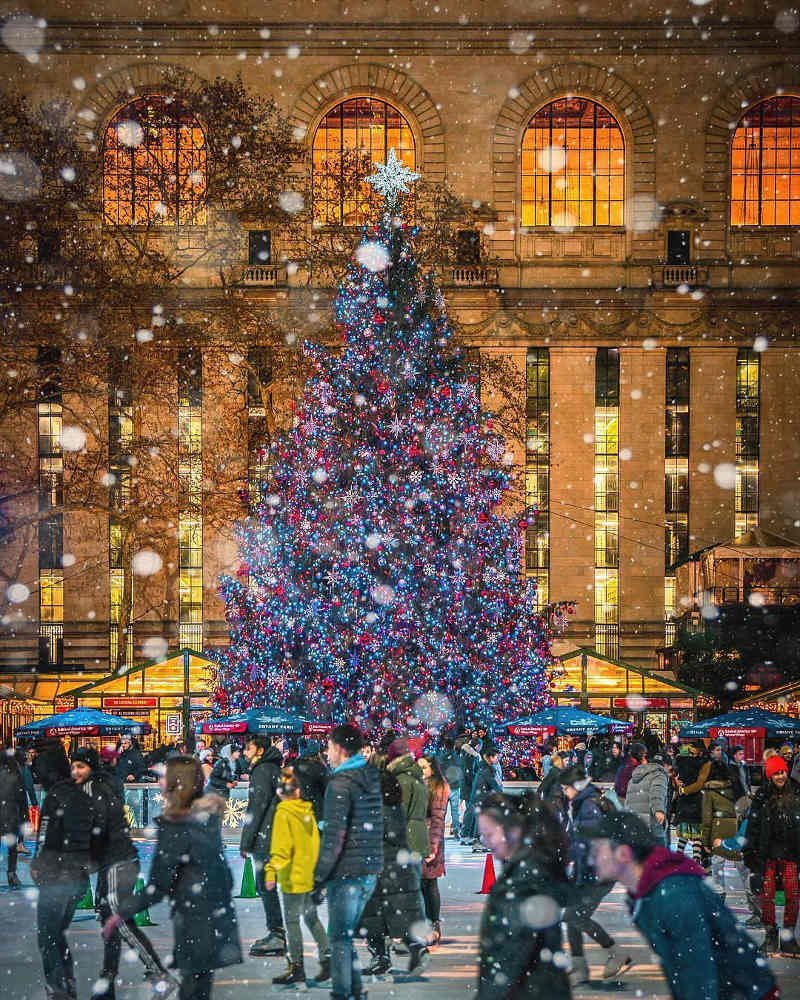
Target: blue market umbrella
(82, 722)
(564, 719)
(773, 725)
(265, 720)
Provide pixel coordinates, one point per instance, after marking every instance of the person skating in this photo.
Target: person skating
(189, 868)
(312, 774)
(60, 870)
(395, 907)
(415, 796)
(117, 862)
(51, 764)
(294, 849)
(718, 816)
(453, 770)
(585, 810)
(351, 852)
(265, 760)
(433, 865)
(691, 771)
(222, 779)
(550, 791)
(704, 953)
(772, 849)
(13, 810)
(520, 933)
(648, 789)
(484, 783)
(32, 802)
(636, 754)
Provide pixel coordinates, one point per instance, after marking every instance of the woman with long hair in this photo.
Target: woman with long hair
(521, 928)
(189, 866)
(433, 866)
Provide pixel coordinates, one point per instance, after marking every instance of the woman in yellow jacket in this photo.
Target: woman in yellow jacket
(293, 855)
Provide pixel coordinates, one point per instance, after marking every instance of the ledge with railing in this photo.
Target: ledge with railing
(675, 275)
(263, 276)
(471, 276)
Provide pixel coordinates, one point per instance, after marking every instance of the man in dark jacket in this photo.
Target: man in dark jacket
(351, 851)
(50, 765)
(313, 776)
(484, 783)
(772, 850)
(130, 763)
(740, 779)
(117, 862)
(61, 871)
(265, 759)
(704, 953)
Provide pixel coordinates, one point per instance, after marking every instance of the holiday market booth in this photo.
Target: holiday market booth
(752, 728)
(267, 721)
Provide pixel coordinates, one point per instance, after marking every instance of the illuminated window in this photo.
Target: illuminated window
(573, 166)
(51, 479)
(765, 165)
(606, 502)
(748, 441)
(154, 165)
(350, 138)
(537, 473)
(190, 524)
(676, 475)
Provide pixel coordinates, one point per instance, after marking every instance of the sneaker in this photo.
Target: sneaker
(790, 948)
(379, 965)
(13, 881)
(420, 957)
(579, 973)
(272, 944)
(324, 974)
(293, 978)
(616, 964)
(771, 943)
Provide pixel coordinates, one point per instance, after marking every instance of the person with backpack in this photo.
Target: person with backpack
(586, 808)
(294, 849)
(415, 796)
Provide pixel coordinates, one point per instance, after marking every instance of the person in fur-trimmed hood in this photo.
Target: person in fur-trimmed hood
(189, 866)
(704, 953)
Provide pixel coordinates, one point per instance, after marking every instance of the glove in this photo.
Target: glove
(318, 895)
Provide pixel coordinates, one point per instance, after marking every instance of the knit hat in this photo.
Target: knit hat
(774, 765)
(108, 753)
(397, 748)
(86, 755)
(638, 751)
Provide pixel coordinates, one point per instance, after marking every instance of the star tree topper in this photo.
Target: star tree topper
(391, 178)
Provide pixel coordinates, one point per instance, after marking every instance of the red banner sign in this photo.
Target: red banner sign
(641, 704)
(130, 702)
(317, 728)
(72, 731)
(224, 727)
(738, 732)
(542, 732)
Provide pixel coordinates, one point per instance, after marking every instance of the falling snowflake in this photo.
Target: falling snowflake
(235, 810)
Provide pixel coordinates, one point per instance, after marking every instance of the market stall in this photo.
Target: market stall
(751, 728)
(267, 720)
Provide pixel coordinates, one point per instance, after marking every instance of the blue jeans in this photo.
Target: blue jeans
(347, 898)
(455, 803)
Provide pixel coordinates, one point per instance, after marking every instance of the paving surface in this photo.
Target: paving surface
(451, 972)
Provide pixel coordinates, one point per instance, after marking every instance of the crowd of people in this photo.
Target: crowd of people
(362, 825)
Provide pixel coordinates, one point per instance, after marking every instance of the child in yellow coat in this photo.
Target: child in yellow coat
(293, 855)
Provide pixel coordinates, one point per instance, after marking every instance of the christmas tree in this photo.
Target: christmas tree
(377, 568)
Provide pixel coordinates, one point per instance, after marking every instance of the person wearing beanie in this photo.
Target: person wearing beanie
(586, 807)
(703, 951)
(772, 850)
(117, 861)
(415, 797)
(637, 753)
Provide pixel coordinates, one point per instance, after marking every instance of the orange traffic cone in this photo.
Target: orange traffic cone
(488, 876)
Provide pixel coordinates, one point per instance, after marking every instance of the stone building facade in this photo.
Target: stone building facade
(653, 329)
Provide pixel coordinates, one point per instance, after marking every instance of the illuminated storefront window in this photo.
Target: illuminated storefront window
(573, 166)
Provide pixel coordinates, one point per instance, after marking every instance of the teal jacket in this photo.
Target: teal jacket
(704, 953)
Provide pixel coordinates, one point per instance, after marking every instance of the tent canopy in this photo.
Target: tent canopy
(82, 722)
(263, 720)
(566, 720)
(749, 721)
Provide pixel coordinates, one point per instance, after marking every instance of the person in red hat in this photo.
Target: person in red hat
(772, 850)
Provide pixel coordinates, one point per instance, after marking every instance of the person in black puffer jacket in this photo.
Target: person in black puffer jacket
(50, 765)
(313, 776)
(13, 810)
(520, 931)
(222, 779)
(691, 773)
(351, 851)
(394, 906)
(131, 764)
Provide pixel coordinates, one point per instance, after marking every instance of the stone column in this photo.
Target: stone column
(779, 465)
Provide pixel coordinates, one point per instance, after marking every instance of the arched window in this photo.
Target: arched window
(573, 166)
(154, 165)
(765, 165)
(349, 139)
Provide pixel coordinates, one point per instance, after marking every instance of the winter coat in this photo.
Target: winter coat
(261, 802)
(740, 780)
(437, 807)
(189, 867)
(221, 774)
(67, 826)
(396, 903)
(111, 840)
(50, 765)
(131, 762)
(415, 803)
(511, 943)
(452, 767)
(313, 777)
(294, 847)
(688, 806)
(13, 800)
(773, 826)
(28, 784)
(647, 794)
(485, 783)
(704, 953)
(352, 832)
(584, 813)
(550, 791)
(718, 816)
(623, 776)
